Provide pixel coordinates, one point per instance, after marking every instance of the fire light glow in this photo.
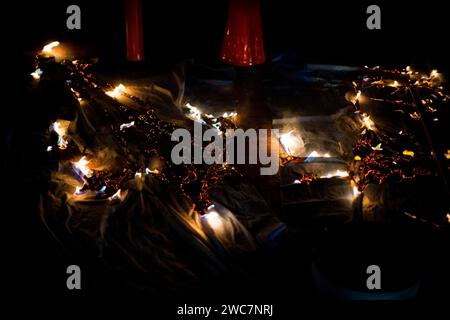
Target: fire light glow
(48, 48)
(126, 125)
(36, 74)
(82, 165)
(116, 92)
(213, 219)
(61, 127)
(368, 123)
(194, 113)
(337, 173)
(292, 144)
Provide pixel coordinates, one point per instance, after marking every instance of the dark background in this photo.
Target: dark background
(320, 31)
(332, 32)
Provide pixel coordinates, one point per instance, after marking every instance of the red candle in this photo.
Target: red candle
(243, 42)
(134, 33)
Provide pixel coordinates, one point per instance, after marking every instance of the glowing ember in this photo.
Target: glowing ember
(357, 158)
(337, 173)
(292, 144)
(296, 181)
(117, 92)
(448, 217)
(49, 47)
(408, 153)
(126, 125)
(60, 127)
(81, 165)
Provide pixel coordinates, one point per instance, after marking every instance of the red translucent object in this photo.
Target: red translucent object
(134, 32)
(243, 40)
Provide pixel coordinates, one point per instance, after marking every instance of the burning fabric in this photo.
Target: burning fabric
(355, 151)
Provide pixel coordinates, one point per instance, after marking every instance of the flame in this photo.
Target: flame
(447, 155)
(229, 115)
(395, 84)
(78, 190)
(377, 148)
(153, 171)
(408, 153)
(213, 219)
(314, 154)
(337, 173)
(292, 144)
(60, 127)
(82, 166)
(368, 123)
(116, 196)
(36, 74)
(357, 158)
(448, 217)
(126, 125)
(194, 113)
(355, 192)
(117, 91)
(48, 48)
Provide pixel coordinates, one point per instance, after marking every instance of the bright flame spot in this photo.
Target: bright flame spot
(213, 219)
(296, 181)
(126, 125)
(49, 148)
(36, 74)
(61, 127)
(116, 195)
(194, 113)
(447, 155)
(434, 74)
(355, 192)
(154, 171)
(448, 217)
(78, 191)
(292, 144)
(338, 173)
(357, 158)
(377, 148)
(48, 48)
(394, 84)
(229, 115)
(82, 166)
(117, 92)
(408, 153)
(314, 154)
(368, 123)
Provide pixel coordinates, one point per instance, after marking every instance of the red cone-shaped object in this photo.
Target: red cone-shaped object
(134, 33)
(243, 41)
